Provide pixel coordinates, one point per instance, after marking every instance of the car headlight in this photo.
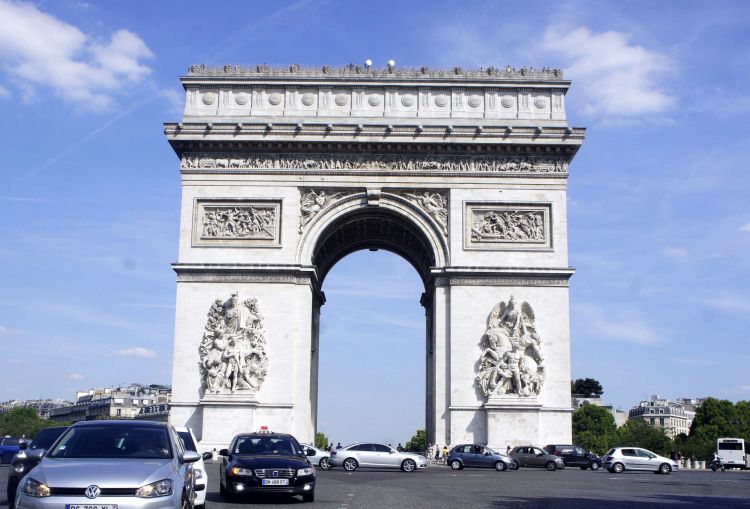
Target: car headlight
(19, 468)
(241, 471)
(305, 471)
(161, 488)
(198, 473)
(34, 488)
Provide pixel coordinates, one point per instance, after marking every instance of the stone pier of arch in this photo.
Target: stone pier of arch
(462, 173)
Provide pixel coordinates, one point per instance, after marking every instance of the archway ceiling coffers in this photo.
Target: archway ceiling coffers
(373, 228)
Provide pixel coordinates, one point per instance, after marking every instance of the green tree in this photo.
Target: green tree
(22, 422)
(594, 428)
(321, 441)
(716, 418)
(586, 387)
(639, 433)
(418, 442)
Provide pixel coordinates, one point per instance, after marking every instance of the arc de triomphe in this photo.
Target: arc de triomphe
(462, 173)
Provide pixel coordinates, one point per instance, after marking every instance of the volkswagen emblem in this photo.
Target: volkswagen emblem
(275, 473)
(92, 491)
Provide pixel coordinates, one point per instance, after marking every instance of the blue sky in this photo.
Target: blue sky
(658, 216)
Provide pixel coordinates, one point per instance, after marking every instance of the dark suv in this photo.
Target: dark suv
(29, 456)
(266, 462)
(575, 456)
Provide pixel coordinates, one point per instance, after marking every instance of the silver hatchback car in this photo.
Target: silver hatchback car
(371, 455)
(112, 465)
(619, 459)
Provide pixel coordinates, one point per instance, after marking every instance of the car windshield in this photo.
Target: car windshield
(113, 442)
(46, 438)
(187, 440)
(281, 446)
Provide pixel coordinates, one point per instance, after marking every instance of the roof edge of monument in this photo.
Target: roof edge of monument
(357, 72)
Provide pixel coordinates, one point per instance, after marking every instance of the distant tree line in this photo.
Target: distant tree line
(23, 422)
(594, 428)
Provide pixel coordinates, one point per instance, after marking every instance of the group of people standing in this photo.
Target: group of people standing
(435, 453)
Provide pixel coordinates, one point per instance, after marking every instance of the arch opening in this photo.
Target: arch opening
(373, 228)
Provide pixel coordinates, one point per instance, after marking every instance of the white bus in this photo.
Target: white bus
(734, 452)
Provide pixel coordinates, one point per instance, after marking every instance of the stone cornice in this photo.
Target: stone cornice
(502, 276)
(352, 71)
(250, 273)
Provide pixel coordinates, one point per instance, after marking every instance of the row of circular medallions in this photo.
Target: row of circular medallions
(374, 100)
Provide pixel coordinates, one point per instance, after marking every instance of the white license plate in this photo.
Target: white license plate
(275, 482)
(90, 506)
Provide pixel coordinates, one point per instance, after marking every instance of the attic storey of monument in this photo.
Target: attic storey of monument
(462, 173)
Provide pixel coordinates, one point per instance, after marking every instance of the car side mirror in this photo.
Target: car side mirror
(310, 452)
(190, 457)
(224, 452)
(207, 455)
(36, 454)
(487, 453)
(391, 452)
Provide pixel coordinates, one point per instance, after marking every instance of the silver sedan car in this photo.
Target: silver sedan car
(320, 458)
(619, 459)
(366, 455)
(112, 465)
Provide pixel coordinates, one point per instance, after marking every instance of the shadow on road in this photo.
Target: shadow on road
(275, 499)
(654, 501)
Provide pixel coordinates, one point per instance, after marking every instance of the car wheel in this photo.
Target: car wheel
(665, 469)
(595, 466)
(551, 466)
(500, 466)
(350, 464)
(617, 468)
(408, 465)
(456, 465)
(325, 464)
(309, 497)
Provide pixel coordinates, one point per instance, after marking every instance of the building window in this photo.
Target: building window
(119, 412)
(661, 422)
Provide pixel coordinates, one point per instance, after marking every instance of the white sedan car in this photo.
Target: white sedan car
(319, 459)
(369, 455)
(201, 477)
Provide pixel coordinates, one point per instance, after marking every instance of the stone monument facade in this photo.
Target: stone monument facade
(461, 172)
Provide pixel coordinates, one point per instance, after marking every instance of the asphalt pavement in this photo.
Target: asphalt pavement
(438, 487)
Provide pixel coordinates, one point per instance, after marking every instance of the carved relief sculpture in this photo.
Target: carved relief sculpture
(508, 225)
(512, 361)
(233, 350)
(477, 164)
(240, 222)
(435, 204)
(312, 202)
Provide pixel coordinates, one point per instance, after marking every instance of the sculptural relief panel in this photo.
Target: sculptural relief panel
(237, 222)
(233, 348)
(511, 226)
(511, 362)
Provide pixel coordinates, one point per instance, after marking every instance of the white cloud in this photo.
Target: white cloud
(75, 376)
(620, 324)
(729, 303)
(137, 351)
(615, 76)
(39, 50)
(745, 227)
(5, 331)
(674, 252)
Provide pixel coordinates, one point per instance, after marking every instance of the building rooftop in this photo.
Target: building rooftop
(353, 71)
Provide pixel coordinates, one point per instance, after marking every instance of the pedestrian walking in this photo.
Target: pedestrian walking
(339, 446)
(445, 453)
(437, 453)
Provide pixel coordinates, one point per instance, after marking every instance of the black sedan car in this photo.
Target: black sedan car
(575, 456)
(266, 462)
(28, 457)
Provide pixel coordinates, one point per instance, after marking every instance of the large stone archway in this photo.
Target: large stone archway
(462, 173)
